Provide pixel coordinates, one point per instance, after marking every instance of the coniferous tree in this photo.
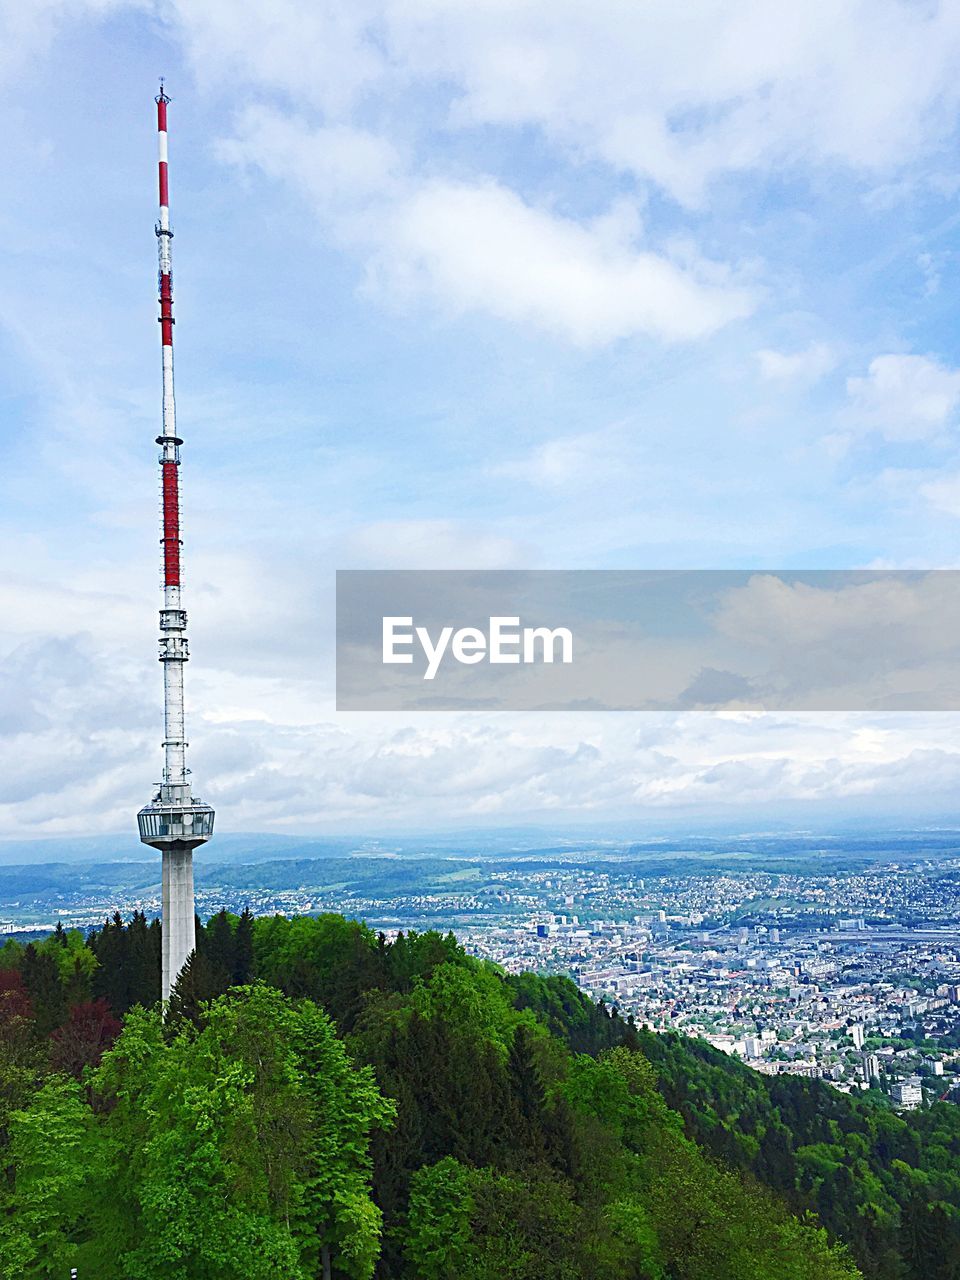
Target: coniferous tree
(219, 950)
(528, 1094)
(111, 980)
(78, 984)
(873, 1242)
(196, 985)
(919, 1242)
(155, 953)
(41, 978)
(243, 963)
(143, 962)
(776, 1162)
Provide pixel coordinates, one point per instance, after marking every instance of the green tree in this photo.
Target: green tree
(474, 1000)
(243, 963)
(48, 1161)
(217, 946)
(438, 1235)
(197, 983)
(111, 980)
(345, 1106)
(41, 977)
(143, 961)
(250, 1136)
(239, 1135)
(527, 1229)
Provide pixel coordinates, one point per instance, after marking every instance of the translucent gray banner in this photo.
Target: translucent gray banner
(610, 640)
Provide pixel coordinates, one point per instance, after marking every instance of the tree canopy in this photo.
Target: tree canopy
(320, 1102)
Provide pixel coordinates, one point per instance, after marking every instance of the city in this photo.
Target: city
(851, 976)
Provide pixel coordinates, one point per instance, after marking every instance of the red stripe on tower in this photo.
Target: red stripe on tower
(162, 130)
(171, 524)
(166, 310)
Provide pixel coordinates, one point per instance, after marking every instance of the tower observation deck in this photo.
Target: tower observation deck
(174, 821)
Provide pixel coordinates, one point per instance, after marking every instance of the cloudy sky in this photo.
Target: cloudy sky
(479, 285)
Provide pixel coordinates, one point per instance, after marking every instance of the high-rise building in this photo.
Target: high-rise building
(174, 821)
(908, 1094)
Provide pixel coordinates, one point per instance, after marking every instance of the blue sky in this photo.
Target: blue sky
(462, 285)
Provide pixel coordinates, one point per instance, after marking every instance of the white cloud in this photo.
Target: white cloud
(576, 461)
(361, 774)
(930, 273)
(431, 544)
(884, 642)
(885, 618)
(807, 366)
(479, 247)
(338, 165)
(380, 111)
(323, 54)
(26, 30)
(905, 397)
(684, 94)
(943, 493)
(679, 95)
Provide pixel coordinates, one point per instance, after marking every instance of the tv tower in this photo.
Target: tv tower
(173, 822)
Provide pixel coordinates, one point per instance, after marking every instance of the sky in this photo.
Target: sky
(463, 285)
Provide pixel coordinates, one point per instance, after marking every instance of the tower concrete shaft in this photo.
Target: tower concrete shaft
(174, 821)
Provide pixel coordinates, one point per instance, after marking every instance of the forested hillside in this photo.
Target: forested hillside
(887, 1184)
(320, 1103)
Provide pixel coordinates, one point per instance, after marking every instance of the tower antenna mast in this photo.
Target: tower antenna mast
(173, 822)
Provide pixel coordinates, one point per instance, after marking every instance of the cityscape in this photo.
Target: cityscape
(850, 975)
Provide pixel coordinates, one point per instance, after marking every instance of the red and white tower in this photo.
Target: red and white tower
(173, 821)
